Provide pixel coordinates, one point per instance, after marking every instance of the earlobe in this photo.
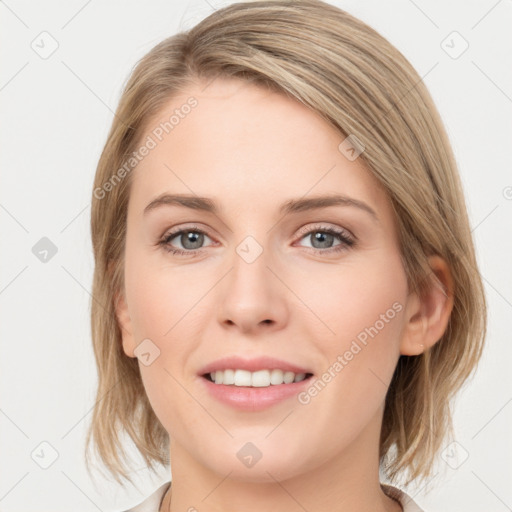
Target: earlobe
(427, 317)
(124, 322)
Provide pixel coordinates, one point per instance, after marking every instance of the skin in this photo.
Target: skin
(250, 150)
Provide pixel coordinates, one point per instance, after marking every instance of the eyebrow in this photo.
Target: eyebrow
(291, 206)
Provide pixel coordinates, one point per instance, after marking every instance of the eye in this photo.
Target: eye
(191, 241)
(322, 239)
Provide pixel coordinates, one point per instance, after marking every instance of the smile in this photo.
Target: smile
(257, 379)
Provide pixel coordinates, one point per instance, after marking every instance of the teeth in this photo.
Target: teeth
(259, 379)
(242, 378)
(229, 377)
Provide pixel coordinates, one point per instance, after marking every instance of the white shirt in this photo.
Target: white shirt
(153, 502)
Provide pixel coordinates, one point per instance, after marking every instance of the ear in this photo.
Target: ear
(427, 316)
(124, 321)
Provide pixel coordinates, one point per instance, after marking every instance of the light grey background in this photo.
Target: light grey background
(56, 113)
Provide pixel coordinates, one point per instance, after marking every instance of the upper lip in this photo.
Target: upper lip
(252, 365)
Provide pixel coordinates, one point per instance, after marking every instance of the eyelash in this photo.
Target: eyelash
(347, 241)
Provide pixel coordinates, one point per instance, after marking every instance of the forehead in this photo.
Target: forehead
(245, 142)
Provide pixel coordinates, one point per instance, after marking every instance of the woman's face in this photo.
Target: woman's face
(265, 271)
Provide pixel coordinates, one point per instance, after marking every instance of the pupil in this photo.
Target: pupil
(320, 235)
(193, 238)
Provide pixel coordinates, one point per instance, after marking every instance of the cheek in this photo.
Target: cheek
(154, 295)
(362, 311)
(354, 297)
(371, 346)
(161, 312)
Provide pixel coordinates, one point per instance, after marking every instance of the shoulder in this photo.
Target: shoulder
(152, 502)
(408, 504)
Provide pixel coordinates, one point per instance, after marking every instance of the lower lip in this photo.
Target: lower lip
(254, 399)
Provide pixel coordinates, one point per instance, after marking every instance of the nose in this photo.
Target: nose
(252, 297)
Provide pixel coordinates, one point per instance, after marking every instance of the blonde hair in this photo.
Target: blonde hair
(359, 83)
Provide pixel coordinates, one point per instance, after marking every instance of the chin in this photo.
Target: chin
(256, 462)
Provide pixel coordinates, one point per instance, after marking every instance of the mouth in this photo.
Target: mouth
(253, 384)
(258, 379)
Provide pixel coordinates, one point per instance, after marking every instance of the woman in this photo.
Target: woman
(287, 295)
